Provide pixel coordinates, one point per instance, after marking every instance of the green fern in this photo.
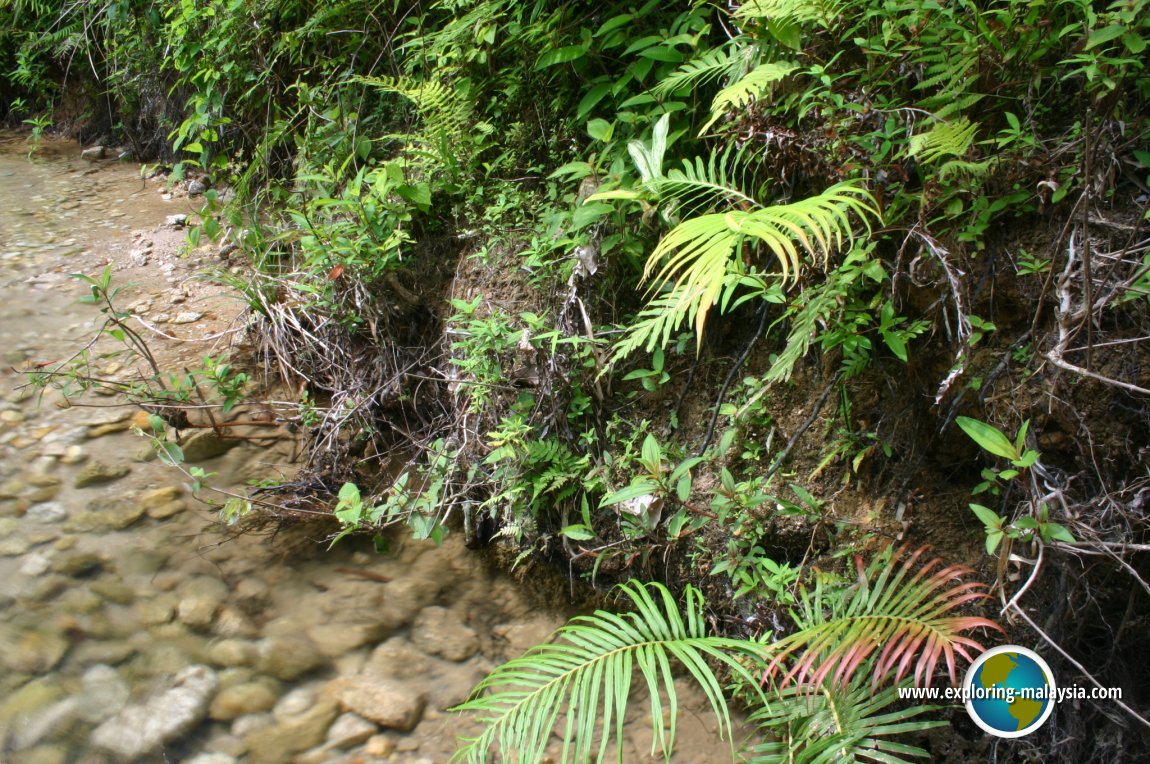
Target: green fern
(943, 139)
(588, 674)
(839, 724)
(445, 116)
(823, 708)
(714, 65)
(698, 251)
(750, 87)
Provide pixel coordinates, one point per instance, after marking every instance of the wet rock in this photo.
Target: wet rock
(110, 428)
(349, 730)
(171, 509)
(157, 611)
(176, 221)
(23, 706)
(74, 455)
(380, 746)
(83, 565)
(97, 473)
(53, 753)
(35, 564)
(114, 592)
(398, 659)
(438, 631)
(200, 600)
(246, 725)
(294, 703)
(233, 652)
(46, 512)
(93, 154)
(167, 715)
(523, 635)
(196, 187)
(230, 622)
(105, 516)
(211, 758)
(336, 639)
(104, 694)
(88, 653)
(279, 743)
(287, 658)
(206, 445)
(241, 700)
(33, 652)
(253, 595)
(158, 497)
(227, 744)
(404, 598)
(386, 702)
(52, 721)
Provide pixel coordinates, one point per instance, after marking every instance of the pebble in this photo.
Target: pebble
(46, 512)
(241, 700)
(187, 317)
(97, 472)
(386, 702)
(166, 715)
(288, 658)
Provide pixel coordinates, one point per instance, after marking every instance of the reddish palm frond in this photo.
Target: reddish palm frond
(900, 609)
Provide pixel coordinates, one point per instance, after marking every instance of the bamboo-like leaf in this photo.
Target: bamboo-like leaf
(907, 609)
(587, 675)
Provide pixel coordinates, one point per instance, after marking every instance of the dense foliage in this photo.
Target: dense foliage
(570, 269)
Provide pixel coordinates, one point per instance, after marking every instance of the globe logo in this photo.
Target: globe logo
(1010, 691)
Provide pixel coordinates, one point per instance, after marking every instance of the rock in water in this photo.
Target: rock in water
(93, 154)
(166, 715)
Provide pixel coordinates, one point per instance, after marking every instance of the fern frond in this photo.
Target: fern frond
(748, 88)
(698, 250)
(906, 608)
(838, 724)
(792, 11)
(943, 139)
(587, 676)
(712, 66)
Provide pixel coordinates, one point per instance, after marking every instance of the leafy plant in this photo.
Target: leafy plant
(586, 676)
(589, 673)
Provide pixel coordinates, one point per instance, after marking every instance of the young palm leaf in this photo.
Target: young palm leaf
(697, 253)
(587, 676)
(906, 609)
(838, 724)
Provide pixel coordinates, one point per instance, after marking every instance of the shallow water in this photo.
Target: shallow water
(132, 625)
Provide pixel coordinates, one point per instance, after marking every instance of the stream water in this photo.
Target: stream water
(132, 626)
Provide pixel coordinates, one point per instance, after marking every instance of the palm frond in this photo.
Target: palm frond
(698, 251)
(707, 183)
(748, 88)
(907, 609)
(588, 673)
(838, 724)
(792, 11)
(714, 65)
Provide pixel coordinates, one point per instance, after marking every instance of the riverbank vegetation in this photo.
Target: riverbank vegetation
(732, 299)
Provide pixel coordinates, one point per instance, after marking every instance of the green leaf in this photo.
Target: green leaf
(993, 539)
(349, 492)
(601, 129)
(987, 436)
(1105, 35)
(578, 532)
(561, 55)
(652, 454)
(591, 99)
(1056, 532)
(987, 516)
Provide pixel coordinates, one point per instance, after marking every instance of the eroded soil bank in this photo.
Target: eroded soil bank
(133, 626)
